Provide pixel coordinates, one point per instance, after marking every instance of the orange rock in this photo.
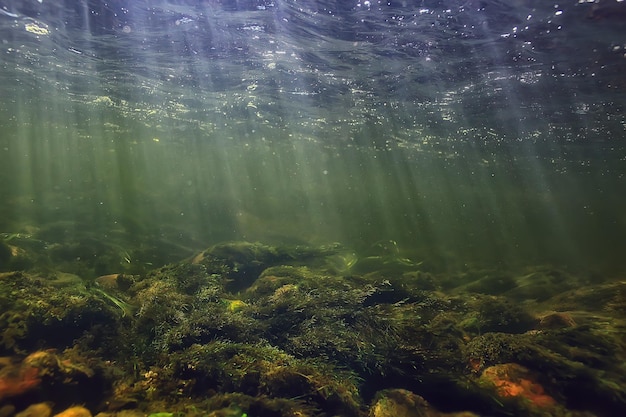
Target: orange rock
(22, 381)
(513, 380)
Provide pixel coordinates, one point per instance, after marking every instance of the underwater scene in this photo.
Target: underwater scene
(300, 208)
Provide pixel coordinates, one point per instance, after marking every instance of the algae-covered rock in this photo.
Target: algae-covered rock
(497, 314)
(598, 298)
(243, 262)
(566, 365)
(541, 283)
(404, 403)
(179, 305)
(248, 329)
(48, 310)
(400, 403)
(263, 370)
(552, 320)
(14, 257)
(46, 376)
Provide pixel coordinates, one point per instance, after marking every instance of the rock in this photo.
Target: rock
(7, 410)
(400, 403)
(115, 281)
(404, 403)
(17, 381)
(513, 380)
(76, 411)
(36, 410)
(552, 320)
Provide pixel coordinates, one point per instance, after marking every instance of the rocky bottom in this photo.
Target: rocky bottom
(252, 330)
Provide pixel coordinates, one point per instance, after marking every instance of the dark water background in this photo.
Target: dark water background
(469, 132)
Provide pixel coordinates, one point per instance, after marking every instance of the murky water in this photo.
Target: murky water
(459, 132)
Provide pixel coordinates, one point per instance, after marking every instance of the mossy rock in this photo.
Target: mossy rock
(243, 262)
(496, 314)
(263, 370)
(39, 312)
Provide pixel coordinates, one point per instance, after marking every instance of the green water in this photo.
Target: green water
(128, 182)
(266, 143)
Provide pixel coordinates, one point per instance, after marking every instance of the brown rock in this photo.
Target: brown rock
(76, 411)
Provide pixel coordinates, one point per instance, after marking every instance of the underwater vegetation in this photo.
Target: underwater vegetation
(247, 329)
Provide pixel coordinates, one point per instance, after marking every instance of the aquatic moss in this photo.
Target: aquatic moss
(496, 314)
(310, 341)
(264, 370)
(37, 312)
(14, 328)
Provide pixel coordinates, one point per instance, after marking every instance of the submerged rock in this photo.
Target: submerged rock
(400, 403)
(243, 262)
(251, 329)
(511, 380)
(76, 411)
(404, 403)
(36, 410)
